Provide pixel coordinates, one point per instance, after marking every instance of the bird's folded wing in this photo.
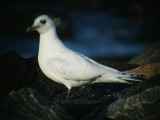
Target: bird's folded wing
(77, 69)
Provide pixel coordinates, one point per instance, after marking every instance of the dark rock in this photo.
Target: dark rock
(28, 104)
(145, 105)
(13, 73)
(150, 55)
(93, 101)
(138, 88)
(137, 102)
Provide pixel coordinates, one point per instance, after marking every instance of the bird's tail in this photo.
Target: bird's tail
(120, 77)
(130, 76)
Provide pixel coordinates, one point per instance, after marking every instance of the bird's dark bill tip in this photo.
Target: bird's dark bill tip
(28, 29)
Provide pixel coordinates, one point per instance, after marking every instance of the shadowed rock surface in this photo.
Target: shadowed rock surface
(89, 102)
(28, 104)
(144, 105)
(137, 102)
(150, 55)
(13, 73)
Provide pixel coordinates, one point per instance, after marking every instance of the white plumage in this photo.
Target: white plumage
(68, 67)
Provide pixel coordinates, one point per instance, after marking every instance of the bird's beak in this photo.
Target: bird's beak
(33, 27)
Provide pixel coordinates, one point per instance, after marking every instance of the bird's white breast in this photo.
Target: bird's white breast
(43, 60)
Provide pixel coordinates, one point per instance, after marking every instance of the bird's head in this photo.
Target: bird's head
(42, 24)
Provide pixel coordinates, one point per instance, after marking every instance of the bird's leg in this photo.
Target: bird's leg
(69, 90)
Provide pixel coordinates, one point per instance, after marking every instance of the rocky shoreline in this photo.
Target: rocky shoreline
(26, 93)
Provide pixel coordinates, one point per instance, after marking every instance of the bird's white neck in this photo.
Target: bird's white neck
(50, 40)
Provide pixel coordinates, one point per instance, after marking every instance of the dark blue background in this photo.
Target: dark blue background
(96, 28)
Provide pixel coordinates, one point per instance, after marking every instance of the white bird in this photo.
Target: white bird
(68, 67)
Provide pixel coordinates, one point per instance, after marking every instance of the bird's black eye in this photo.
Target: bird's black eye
(42, 21)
